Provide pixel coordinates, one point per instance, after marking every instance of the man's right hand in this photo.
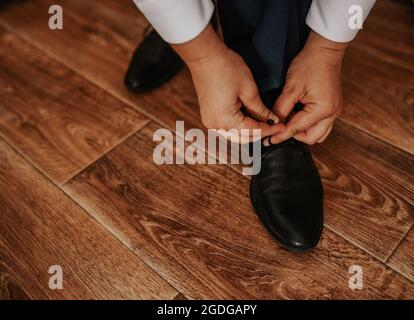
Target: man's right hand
(224, 84)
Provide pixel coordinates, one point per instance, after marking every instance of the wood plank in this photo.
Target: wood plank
(41, 226)
(403, 258)
(369, 194)
(117, 42)
(60, 121)
(395, 220)
(378, 75)
(97, 41)
(104, 57)
(195, 226)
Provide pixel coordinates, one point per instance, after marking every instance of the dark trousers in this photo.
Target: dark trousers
(268, 34)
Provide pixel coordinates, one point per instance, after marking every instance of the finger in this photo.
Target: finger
(315, 133)
(301, 121)
(290, 116)
(326, 134)
(254, 106)
(265, 129)
(286, 101)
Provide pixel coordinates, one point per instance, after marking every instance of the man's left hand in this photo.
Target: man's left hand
(314, 80)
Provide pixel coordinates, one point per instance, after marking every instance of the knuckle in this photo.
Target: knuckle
(338, 109)
(275, 140)
(252, 96)
(262, 112)
(288, 89)
(294, 131)
(221, 124)
(334, 109)
(208, 123)
(330, 112)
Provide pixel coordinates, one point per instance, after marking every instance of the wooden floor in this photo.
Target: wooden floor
(79, 188)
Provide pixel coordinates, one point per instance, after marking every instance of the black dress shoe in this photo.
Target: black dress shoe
(5, 3)
(154, 63)
(287, 195)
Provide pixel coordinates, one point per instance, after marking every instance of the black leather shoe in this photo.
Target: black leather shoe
(287, 195)
(154, 63)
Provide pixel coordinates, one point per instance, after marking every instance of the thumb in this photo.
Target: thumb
(254, 105)
(286, 102)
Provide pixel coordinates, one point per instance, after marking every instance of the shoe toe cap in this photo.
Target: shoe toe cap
(133, 84)
(297, 222)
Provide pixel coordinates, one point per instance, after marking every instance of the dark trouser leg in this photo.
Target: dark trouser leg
(268, 34)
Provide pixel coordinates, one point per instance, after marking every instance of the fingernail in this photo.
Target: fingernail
(266, 142)
(274, 118)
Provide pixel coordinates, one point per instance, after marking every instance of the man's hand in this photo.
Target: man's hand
(224, 85)
(314, 80)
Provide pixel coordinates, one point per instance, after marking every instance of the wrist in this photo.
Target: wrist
(205, 47)
(329, 51)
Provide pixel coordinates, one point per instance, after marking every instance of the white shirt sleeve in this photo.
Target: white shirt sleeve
(330, 18)
(177, 21)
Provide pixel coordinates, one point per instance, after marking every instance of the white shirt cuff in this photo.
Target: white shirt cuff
(330, 18)
(177, 21)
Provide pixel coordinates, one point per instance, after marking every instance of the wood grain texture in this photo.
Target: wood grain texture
(102, 42)
(378, 75)
(60, 121)
(378, 82)
(98, 41)
(41, 226)
(195, 226)
(369, 194)
(403, 258)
